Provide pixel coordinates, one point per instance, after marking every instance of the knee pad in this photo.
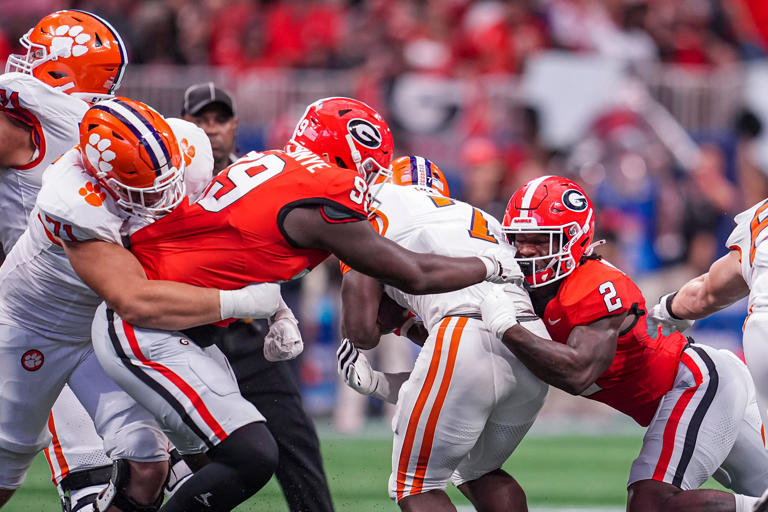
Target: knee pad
(79, 489)
(178, 474)
(115, 492)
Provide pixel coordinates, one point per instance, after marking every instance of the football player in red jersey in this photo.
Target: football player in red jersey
(271, 216)
(698, 402)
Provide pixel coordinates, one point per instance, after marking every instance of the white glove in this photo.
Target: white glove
(253, 301)
(355, 369)
(283, 341)
(501, 266)
(660, 316)
(498, 310)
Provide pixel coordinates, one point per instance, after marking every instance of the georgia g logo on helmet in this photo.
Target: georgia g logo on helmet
(574, 200)
(365, 133)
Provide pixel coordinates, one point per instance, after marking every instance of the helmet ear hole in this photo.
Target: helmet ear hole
(57, 75)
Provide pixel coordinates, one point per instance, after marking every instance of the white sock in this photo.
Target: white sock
(744, 503)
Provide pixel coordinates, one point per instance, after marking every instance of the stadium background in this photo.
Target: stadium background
(656, 107)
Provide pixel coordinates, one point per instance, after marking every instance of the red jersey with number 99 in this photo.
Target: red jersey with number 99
(644, 368)
(232, 236)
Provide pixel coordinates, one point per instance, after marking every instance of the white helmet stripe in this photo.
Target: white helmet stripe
(526, 203)
(140, 126)
(120, 46)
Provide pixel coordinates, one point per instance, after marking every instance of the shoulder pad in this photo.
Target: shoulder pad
(198, 158)
(70, 197)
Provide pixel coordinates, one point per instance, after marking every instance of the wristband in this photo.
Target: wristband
(490, 266)
(668, 305)
(227, 304)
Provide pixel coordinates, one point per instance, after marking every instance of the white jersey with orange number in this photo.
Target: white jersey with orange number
(54, 116)
(438, 225)
(748, 238)
(41, 291)
(453, 423)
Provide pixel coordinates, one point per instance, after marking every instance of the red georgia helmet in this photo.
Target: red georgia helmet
(74, 51)
(557, 207)
(418, 172)
(133, 152)
(348, 133)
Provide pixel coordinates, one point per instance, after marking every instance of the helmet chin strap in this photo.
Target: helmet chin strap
(591, 247)
(357, 158)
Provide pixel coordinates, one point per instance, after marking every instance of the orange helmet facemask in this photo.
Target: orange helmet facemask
(74, 51)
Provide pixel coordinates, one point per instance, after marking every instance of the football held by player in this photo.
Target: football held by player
(453, 423)
(698, 402)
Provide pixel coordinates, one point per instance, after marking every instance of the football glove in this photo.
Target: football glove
(283, 341)
(498, 310)
(355, 369)
(660, 317)
(501, 266)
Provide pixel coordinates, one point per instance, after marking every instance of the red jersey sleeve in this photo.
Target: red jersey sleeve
(346, 198)
(597, 290)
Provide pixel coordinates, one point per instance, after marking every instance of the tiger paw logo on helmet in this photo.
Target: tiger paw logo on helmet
(69, 41)
(98, 153)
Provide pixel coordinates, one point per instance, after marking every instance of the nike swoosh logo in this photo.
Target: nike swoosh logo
(553, 322)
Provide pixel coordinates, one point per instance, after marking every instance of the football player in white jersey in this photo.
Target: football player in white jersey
(45, 317)
(740, 273)
(468, 402)
(73, 58)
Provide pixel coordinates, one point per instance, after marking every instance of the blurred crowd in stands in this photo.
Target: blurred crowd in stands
(665, 222)
(454, 37)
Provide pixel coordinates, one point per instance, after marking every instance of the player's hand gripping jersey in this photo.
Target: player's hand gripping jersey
(434, 224)
(644, 368)
(54, 117)
(233, 235)
(748, 237)
(41, 291)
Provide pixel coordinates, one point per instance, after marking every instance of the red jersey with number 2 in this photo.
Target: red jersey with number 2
(232, 236)
(644, 368)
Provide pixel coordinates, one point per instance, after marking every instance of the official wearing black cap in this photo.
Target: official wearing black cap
(213, 110)
(271, 387)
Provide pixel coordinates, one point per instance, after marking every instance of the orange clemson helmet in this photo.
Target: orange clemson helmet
(74, 51)
(133, 152)
(418, 172)
(349, 134)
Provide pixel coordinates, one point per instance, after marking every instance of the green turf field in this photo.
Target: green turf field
(556, 473)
